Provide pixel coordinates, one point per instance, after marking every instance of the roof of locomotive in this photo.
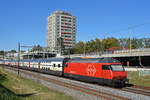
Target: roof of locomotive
(94, 60)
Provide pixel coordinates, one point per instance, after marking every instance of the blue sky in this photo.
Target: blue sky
(24, 21)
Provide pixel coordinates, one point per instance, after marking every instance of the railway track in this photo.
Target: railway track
(137, 90)
(141, 87)
(89, 91)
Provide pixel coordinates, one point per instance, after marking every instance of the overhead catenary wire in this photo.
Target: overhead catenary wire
(111, 33)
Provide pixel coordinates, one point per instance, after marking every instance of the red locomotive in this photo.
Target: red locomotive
(100, 70)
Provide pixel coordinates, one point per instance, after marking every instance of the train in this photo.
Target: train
(104, 70)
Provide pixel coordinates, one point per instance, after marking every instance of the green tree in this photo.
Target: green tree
(114, 42)
(1, 52)
(134, 43)
(147, 42)
(90, 46)
(79, 47)
(110, 42)
(105, 44)
(12, 51)
(97, 45)
(140, 43)
(124, 43)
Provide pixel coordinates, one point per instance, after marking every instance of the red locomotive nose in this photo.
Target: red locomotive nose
(119, 75)
(118, 71)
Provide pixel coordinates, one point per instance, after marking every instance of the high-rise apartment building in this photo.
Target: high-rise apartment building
(62, 25)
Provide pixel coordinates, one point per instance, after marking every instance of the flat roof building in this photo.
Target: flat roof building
(62, 25)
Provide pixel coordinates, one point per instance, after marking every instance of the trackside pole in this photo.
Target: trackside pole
(18, 56)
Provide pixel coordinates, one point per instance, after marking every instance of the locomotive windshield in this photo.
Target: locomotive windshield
(117, 68)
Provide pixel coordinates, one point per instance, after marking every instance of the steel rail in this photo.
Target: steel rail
(137, 91)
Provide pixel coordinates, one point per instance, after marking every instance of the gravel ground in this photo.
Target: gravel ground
(79, 95)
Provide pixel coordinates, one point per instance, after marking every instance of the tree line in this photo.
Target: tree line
(106, 44)
(97, 45)
(2, 52)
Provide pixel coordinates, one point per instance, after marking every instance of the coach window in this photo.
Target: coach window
(106, 67)
(58, 65)
(54, 65)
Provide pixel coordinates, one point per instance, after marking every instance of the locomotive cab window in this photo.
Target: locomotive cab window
(117, 68)
(106, 67)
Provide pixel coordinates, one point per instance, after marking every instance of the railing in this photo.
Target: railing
(142, 50)
(132, 50)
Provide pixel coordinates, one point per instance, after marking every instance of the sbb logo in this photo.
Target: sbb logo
(91, 70)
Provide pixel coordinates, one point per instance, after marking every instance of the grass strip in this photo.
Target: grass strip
(135, 78)
(13, 87)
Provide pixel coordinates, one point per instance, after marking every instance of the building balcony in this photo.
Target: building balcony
(66, 32)
(67, 26)
(68, 45)
(66, 17)
(68, 42)
(67, 39)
